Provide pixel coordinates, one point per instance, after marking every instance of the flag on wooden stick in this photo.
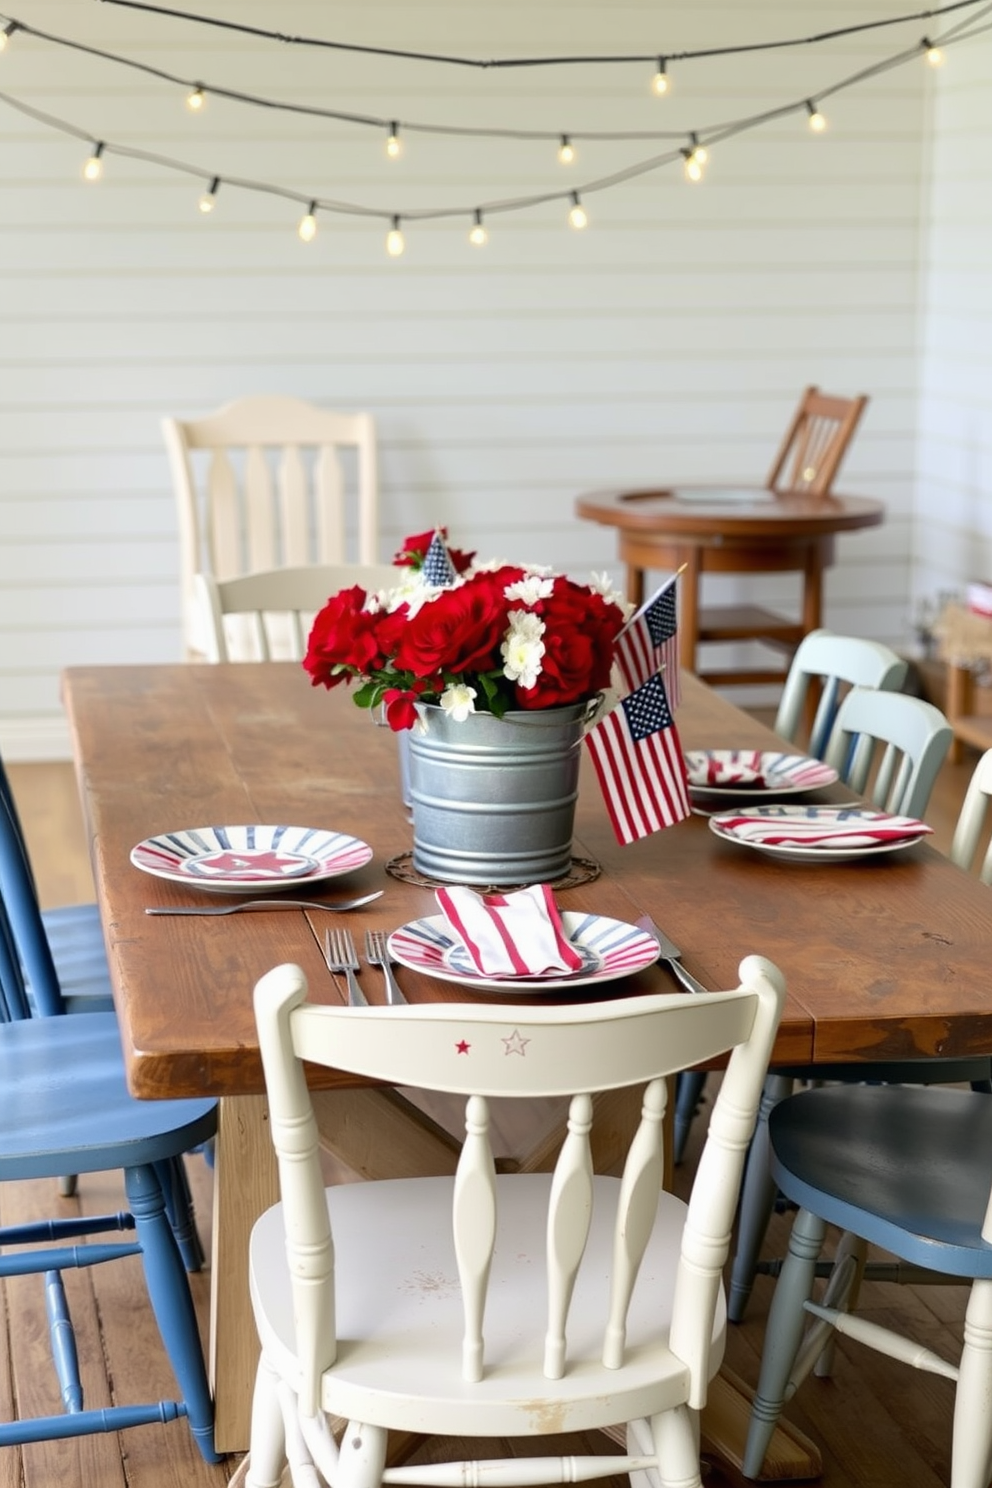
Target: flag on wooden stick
(638, 758)
(649, 642)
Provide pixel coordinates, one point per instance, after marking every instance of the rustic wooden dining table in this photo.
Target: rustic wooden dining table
(883, 958)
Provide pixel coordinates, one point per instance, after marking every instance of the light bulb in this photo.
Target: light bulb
(394, 240)
(6, 34)
(816, 121)
(659, 83)
(478, 236)
(196, 99)
(692, 169)
(93, 169)
(566, 151)
(208, 200)
(935, 56)
(701, 154)
(577, 216)
(394, 145)
(308, 224)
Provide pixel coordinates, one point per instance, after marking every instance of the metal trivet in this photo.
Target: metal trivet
(581, 871)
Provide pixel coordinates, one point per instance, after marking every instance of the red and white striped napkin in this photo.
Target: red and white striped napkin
(507, 935)
(823, 828)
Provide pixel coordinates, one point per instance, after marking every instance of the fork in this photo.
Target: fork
(377, 954)
(340, 955)
(262, 904)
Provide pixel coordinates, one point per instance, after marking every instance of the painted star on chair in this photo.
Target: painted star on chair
(515, 1044)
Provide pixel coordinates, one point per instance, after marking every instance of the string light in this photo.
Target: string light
(659, 83)
(566, 151)
(6, 34)
(308, 224)
(695, 158)
(394, 240)
(478, 236)
(195, 99)
(934, 55)
(816, 120)
(577, 217)
(93, 169)
(208, 200)
(394, 145)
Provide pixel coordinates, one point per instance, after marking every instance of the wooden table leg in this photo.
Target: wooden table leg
(245, 1184)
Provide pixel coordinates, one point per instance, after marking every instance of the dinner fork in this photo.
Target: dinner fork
(340, 955)
(377, 954)
(260, 904)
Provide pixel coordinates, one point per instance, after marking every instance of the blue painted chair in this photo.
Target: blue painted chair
(63, 969)
(73, 932)
(832, 663)
(907, 1169)
(66, 1109)
(760, 1189)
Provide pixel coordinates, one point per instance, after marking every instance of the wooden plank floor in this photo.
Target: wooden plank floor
(877, 1423)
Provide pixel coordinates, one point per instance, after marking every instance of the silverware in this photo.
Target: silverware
(670, 955)
(341, 956)
(249, 904)
(377, 954)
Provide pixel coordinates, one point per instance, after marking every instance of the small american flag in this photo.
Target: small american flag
(438, 568)
(638, 759)
(649, 642)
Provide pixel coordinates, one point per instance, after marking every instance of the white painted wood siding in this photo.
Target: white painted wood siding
(669, 341)
(953, 527)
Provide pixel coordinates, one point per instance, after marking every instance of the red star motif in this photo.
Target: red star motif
(462, 1047)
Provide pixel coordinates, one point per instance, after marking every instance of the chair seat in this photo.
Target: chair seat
(65, 1106)
(877, 1160)
(405, 1289)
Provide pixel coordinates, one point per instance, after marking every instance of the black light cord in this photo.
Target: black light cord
(493, 63)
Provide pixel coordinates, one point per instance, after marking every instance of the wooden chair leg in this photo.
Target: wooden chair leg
(168, 1290)
(783, 1335)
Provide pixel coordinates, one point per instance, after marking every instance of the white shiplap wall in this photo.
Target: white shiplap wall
(953, 528)
(669, 340)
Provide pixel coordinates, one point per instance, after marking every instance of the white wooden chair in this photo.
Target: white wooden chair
(261, 483)
(485, 1306)
(835, 662)
(267, 615)
(888, 747)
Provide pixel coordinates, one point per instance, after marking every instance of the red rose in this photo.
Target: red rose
(460, 631)
(580, 629)
(345, 634)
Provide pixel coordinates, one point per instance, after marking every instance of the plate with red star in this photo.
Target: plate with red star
(235, 860)
(609, 949)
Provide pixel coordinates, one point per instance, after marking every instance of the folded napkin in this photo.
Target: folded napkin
(517, 934)
(824, 829)
(755, 769)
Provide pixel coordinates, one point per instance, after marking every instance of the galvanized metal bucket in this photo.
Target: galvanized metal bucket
(494, 798)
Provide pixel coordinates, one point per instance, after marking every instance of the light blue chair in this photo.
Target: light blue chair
(908, 1169)
(914, 738)
(833, 663)
(65, 1109)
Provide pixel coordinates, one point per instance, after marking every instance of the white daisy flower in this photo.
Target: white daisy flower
(528, 591)
(458, 701)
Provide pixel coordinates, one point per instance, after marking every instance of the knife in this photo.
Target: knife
(670, 955)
